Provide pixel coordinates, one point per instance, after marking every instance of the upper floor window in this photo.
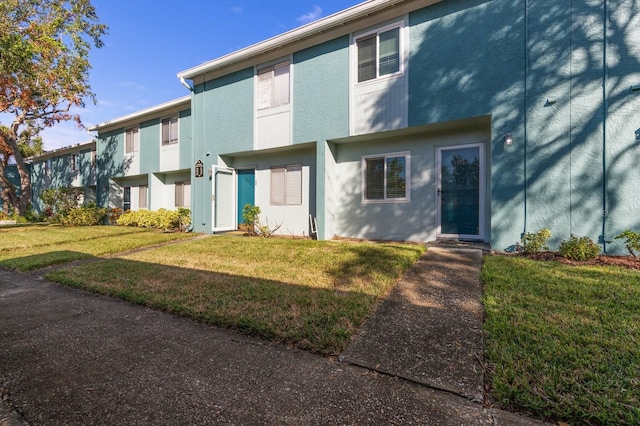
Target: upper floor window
(170, 130)
(93, 158)
(273, 85)
(74, 162)
(378, 54)
(132, 140)
(47, 167)
(386, 177)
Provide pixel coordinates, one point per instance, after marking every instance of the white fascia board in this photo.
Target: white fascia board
(186, 100)
(323, 25)
(77, 148)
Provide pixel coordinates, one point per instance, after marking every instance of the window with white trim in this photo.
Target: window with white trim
(273, 86)
(183, 194)
(74, 162)
(386, 177)
(142, 196)
(93, 158)
(132, 140)
(286, 185)
(170, 130)
(378, 54)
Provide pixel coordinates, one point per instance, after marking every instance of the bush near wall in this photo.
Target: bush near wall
(156, 219)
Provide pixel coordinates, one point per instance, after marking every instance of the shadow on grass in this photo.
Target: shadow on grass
(320, 320)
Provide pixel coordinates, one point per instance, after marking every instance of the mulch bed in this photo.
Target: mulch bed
(628, 262)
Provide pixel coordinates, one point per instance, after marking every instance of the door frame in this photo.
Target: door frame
(482, 192)
(214, 173)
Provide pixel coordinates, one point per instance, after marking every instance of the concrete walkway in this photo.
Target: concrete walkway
(429, 329)
(72, 357)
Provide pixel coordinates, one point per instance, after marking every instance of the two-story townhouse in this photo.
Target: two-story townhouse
(418, 120)
(144, 159)
(73, 166)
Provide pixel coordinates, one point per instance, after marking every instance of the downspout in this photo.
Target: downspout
(185, 84)
(526, 104)
(605, 75)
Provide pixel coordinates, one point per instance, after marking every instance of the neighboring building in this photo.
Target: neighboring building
(404, 120)
(144, 159)
(72, 166)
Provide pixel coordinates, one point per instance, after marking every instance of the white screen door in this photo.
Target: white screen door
(223, 199)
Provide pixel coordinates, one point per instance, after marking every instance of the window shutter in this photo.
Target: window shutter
(165, 131)
(174, 130)
(366, 58)
(278, 195)
(374, 178)
(178, 194)
(142, 196)
(390, 51)
(280, 84)
(294, 185)
(186, 195)
(264, 87)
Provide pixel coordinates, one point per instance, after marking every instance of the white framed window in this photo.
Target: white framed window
(93, 158)
(387, 177)
(183, 194)
(273, 85)
(47, 167)
(286, 185)
(379, 54)
(132, 140)
(142, 196)
(74, 162)
(170, 130)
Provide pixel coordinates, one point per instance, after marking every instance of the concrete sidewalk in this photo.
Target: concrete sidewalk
(72, 357)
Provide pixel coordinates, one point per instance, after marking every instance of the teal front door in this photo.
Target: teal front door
(460, 192)
(246, 190)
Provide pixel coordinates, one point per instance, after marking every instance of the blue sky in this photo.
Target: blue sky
(150, 41)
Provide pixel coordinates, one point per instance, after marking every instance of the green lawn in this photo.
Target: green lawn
(27, 248)
(311, 294)
(563, 342)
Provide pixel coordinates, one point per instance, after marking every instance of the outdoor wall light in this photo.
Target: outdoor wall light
(635, 87)
(508, 139)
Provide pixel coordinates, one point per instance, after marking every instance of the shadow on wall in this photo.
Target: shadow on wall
(110, 164)
(569, 169)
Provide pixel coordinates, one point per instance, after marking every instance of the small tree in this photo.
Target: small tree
(44, 48)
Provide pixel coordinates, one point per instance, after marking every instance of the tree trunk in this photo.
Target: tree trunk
(25, 177)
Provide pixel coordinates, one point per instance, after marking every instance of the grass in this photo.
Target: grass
(28, 248)
(563, 342)
(310, 294)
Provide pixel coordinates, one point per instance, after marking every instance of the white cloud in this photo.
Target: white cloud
(311, 16)
(134, 85)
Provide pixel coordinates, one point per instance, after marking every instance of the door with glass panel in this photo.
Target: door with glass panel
(460, 192)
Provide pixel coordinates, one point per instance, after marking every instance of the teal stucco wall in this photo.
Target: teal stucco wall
(557, 75)
(321, 92)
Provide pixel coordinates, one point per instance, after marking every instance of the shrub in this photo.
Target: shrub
(631, 241)
(86, 215)
(60, 201)
(251, 219)
(535, 242)
(579, 248)
(113, 215)
(158, 219)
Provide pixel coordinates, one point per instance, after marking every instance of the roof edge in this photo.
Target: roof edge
(151, 110)
(322, 25)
